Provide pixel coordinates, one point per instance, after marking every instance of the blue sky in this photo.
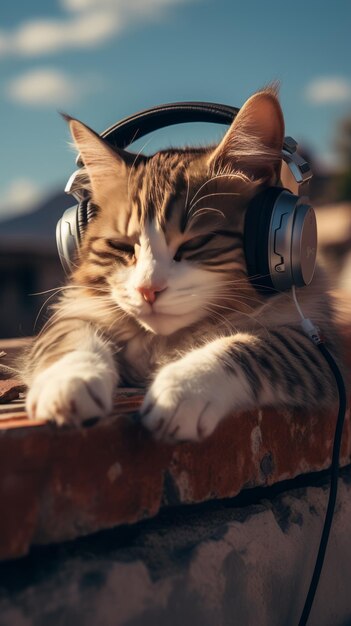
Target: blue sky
(101, 60)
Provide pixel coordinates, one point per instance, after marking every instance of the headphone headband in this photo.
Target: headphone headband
(126, 131)
(296, 171)
(131, 128)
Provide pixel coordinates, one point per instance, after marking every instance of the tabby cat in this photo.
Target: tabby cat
(160, 295)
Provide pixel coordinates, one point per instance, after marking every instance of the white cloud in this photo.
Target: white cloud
(87, 23)
(86, 5)
(19, 197)
(328, 90)
(47, 87)
(39, 37)
(3, 43)
(131, 8)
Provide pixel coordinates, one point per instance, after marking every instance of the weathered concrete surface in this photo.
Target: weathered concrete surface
(215, 565)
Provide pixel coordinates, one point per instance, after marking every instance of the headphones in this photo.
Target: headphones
(280, 232)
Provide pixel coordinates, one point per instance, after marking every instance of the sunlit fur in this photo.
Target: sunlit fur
(160, 290)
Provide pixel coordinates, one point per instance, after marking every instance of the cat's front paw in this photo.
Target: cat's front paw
(187, 399)
(74, 389)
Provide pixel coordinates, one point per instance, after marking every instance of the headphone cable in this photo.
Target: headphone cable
(313, 333)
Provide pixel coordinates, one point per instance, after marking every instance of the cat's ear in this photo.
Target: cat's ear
(254, 141)
(105, 166)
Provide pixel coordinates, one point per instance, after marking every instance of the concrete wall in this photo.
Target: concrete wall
(227, 563)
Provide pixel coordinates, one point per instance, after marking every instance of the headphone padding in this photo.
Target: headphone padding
(256, 237)
(82, 218)
(92, 210)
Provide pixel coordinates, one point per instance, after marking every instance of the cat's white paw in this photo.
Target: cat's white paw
(77, 387)
(187, 399)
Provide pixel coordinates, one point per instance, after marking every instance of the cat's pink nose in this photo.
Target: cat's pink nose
(150, 293)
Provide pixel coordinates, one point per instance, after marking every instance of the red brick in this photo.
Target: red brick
(58, 484)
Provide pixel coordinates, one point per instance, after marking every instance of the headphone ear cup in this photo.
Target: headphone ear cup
(67, 238)
(70, 230)
(256, 238)
(280, 240)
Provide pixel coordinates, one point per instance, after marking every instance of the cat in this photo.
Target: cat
(160, 295)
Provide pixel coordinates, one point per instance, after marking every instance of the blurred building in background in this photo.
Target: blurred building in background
(29, 264)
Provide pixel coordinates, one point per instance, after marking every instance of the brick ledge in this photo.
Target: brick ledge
(58, 484)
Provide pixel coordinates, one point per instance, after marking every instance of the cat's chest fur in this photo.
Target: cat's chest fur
(144, 353)
(136, 359)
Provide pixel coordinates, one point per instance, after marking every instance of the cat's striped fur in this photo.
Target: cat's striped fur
(160, 295)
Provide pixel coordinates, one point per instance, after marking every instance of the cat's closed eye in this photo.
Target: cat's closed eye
(192, 244)
(121, 246)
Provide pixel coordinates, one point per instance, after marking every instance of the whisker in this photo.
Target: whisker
(251, 317)
(134, 162)
(102, 307)
(40, 310)
(187, 191)
(216, 315)
(210, 195)
(63, 287)
(71, 261)
(204, 211)
(240, 176)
